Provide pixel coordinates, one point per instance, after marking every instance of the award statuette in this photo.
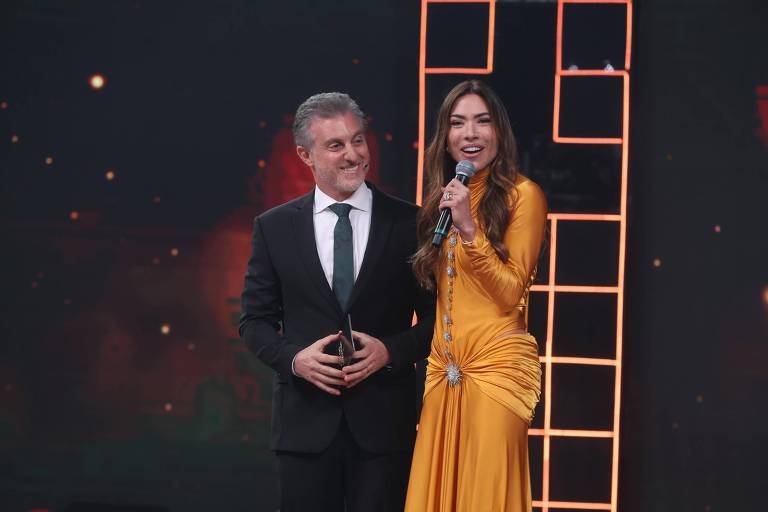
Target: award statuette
(346, 343)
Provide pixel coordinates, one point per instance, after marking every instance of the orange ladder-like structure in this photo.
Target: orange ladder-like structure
(552, 287)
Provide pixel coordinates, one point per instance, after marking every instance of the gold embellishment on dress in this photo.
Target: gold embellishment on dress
(453, 373)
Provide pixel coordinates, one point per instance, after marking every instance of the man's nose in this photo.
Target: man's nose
(352, 153)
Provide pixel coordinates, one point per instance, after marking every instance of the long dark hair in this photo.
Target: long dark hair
(497, 200)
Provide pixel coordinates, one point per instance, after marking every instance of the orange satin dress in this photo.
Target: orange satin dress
(483, 373)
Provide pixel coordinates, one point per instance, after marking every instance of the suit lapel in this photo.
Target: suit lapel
(304, 229)
(378, 237)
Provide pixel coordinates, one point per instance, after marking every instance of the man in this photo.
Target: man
(343, 437)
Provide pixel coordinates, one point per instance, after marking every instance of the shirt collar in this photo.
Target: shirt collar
(361, 199)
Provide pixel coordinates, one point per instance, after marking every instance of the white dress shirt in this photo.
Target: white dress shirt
(325, 221)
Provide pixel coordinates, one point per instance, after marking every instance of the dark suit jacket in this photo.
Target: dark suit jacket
(285, 286)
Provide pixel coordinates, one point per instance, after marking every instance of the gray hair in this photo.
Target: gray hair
(324, 106)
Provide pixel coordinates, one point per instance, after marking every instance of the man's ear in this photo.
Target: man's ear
(304, 155)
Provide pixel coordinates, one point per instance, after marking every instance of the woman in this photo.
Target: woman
(483, 376)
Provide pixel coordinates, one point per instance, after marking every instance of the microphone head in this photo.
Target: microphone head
(466, 168)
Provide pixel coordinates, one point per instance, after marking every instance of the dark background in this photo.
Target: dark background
(98, 405)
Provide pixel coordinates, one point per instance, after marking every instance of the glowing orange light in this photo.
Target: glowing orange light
(174, 252)
(262, 164)
(717, 228)
(15, 139)
(110, 175)
(657, 262)
(168, 407)
(48, 160)
(97, 81)
(74, 215)
(165, 329)
(765, 295)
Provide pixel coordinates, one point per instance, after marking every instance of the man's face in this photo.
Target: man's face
(338, 156)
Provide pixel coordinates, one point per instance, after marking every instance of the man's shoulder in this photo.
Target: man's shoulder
(282, 212)
(394, 205)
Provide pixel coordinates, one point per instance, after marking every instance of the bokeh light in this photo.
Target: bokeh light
(110, 175)
(165, 329)
(97, 82)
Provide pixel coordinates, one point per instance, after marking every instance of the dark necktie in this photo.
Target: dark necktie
(343, 259)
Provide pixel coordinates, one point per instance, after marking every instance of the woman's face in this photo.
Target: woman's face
(471, 135)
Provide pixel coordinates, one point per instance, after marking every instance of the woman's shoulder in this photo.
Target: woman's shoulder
(527, 192)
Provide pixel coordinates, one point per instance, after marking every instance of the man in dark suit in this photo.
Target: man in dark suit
(343, 437)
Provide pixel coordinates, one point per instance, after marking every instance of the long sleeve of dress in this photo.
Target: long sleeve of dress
(506, 282)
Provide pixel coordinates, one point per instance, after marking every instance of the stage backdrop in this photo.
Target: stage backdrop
(139, 139)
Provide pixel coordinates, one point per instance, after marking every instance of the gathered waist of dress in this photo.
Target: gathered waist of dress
(505, 367)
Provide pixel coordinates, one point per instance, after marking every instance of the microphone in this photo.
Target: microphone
(464, 170)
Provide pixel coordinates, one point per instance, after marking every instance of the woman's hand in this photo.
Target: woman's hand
(456, 197)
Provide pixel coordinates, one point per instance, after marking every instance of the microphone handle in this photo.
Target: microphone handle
(445, 222)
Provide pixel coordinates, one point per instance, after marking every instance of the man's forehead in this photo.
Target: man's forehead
(338, 125)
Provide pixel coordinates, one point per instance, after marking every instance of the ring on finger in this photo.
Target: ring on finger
(447, 196)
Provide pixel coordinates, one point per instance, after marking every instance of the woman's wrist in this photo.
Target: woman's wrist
(467, 233)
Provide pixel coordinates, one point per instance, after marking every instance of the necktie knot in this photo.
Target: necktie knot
(340, 209)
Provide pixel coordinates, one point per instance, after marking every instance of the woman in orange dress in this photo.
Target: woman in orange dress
(483, 374)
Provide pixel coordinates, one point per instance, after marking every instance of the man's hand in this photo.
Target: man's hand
(312, 364)
(370, 358)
